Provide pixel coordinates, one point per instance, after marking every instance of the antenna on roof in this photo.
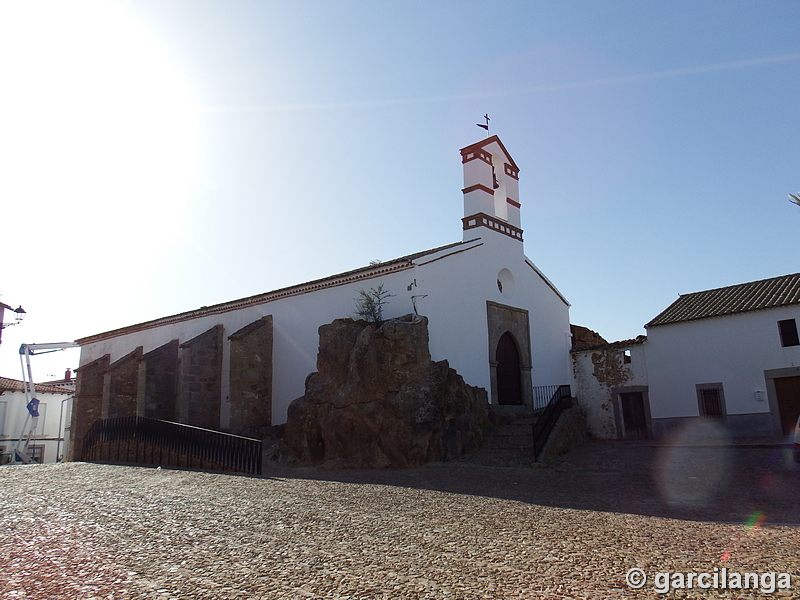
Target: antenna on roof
(482, 126)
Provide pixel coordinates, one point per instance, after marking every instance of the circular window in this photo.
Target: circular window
(505, 283)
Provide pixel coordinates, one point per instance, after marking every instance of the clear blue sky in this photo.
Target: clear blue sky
(156, 156)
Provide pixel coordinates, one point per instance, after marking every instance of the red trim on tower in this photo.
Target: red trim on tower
(468, 155)
(477, 186)
(511, 171)
(498, 225)
(480, 145)
(513, 203)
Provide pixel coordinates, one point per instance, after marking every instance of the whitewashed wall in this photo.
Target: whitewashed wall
(457, 281)
(14, 421)
(734, 350)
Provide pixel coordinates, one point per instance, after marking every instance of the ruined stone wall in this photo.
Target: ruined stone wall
(601, 372)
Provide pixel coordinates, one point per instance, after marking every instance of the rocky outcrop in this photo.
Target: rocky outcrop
(377, 401)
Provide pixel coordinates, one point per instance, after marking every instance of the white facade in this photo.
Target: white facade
(742, 353)
(48, 442)
(720, 354)
(453, 286)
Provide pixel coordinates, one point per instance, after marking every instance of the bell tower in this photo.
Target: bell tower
(491, 190)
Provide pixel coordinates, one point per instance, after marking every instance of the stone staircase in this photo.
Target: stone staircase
(513, 428)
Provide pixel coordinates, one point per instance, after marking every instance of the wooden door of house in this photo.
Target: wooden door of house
(634, 418)
(788, 391)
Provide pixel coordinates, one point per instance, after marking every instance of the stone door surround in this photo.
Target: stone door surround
(502, 319)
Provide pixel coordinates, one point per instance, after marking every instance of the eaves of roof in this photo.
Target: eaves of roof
(485, 142)
(735, 299)
(15, 385)
(363, 273)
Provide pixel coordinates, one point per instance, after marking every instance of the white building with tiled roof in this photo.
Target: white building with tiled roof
(237, 366)
(731, 355)
(730, 352)
(47, 443)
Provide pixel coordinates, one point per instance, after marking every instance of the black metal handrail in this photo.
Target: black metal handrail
(146, 441)
(559, 402)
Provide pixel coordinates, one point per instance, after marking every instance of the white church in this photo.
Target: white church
(237, 366)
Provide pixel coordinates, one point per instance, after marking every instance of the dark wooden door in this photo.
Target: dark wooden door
(788, 390)
(633, 415)
(509, 388)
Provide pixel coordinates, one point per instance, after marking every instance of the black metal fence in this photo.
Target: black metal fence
(542, 395)
(559, 402)
(145, 441)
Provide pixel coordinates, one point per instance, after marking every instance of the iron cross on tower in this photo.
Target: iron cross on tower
(486, 127)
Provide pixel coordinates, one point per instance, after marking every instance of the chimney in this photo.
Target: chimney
(68, 375)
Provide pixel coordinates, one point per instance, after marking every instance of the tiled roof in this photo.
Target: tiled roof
(363, 273)
(15, 385)
(731, 300)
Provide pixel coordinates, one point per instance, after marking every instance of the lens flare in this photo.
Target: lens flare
(755, 521)
(693, 467)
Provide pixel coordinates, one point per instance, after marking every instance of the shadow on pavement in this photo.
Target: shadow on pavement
(695, 481)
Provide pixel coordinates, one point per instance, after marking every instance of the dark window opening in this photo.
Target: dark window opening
(788, 330)
(626, 357)
(711, 403)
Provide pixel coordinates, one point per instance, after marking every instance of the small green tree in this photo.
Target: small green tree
(370, 303)
(795, 199)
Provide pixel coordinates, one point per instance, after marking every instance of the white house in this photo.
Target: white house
(47, 444)
(237, 366)
(730, 354)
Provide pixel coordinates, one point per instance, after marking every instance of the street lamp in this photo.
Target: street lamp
(19, 314)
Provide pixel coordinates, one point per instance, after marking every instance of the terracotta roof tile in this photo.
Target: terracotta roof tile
(734, 299)
(15, 385)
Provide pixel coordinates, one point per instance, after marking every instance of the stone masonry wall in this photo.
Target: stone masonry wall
(158, 382)
(120, 383)
(88, 404)
(251, 379)
(201, 380)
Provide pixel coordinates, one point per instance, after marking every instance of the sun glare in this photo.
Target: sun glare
(97, 134)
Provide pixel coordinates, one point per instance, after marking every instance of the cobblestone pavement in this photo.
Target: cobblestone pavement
(464, 530)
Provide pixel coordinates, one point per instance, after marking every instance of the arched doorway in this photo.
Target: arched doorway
(509, 387)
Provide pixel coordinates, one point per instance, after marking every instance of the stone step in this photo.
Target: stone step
(514, 428)
(517, 428)
(510, 414)
(511, 442)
